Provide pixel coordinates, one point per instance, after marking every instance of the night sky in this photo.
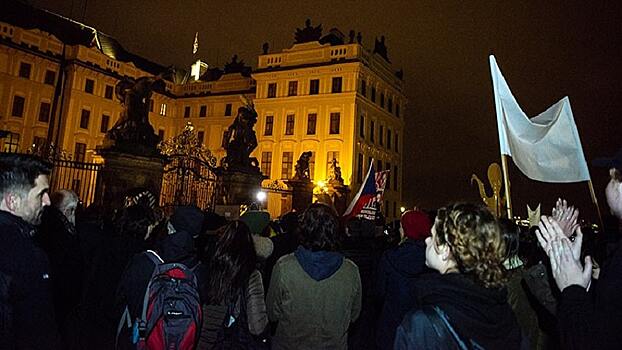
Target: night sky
(546, 50)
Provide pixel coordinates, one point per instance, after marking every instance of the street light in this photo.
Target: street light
(261, 196)
(402, 209)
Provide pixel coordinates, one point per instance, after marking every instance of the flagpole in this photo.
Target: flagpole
(506, 182)
(595, 201)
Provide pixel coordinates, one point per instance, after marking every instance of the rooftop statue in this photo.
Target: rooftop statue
(240, 140)
(381, 49)
(133, 132)
(308, 33)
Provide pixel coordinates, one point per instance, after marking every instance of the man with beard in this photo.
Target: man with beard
(23, 194)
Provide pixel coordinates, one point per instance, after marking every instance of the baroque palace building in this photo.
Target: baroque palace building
(325, 94)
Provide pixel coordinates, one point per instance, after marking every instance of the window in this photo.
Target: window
(203, 112)
(103, 128)
(39, 142)
(312, 165)
(336, 88)
(108, 92)
(228, 110)
(24, 70)
(334, 123)
(362, 126)
(388, 139)
(272, 90)
(397, 142)
(266, 163)
(388, 184)
(381, 135)
(329, 159)
(89, 86)
(187, 112)
(161, 134)
(289, 125)
(80, 152)
(359, 169)
(200, 136)
(11, 143)
(292, 88)
(395, 178)
(44, 112)
(314, 86)
(363, 87)
(84, 119)
(288, 161)
(390, 105)
(378, 165)
(150, 105)
(163, 109)
(397, 110)
(50, 77)
(373, 94)
(269, 125)
(371, 131)
(18, 106)
(382, 100)
(311, 122)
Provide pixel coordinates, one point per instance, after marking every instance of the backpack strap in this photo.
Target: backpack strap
(157, 261)
(441, 324)
(125, 318)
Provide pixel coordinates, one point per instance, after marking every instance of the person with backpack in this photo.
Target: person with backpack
(235, 311)
(158, 295)
(464, 306)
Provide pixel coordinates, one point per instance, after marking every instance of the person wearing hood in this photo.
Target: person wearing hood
(314, 293)
(397, 275)
(465, 306)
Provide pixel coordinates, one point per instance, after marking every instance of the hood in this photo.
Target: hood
(178, 247)
(408, 259)
(318, 265)
(479, 313)
(25, 229)
(189, 219)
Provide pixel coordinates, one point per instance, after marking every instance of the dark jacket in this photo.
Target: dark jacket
(395, 280)
(594, 320)
(34, 324)
(481, 316)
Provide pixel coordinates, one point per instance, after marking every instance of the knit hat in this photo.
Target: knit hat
(416, 224)
(256, 220)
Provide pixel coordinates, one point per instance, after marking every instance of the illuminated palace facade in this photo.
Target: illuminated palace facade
(335, 99)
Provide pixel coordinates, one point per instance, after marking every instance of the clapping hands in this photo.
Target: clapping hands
(566, 217)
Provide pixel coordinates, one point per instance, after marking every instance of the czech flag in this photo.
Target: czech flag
(366, 193)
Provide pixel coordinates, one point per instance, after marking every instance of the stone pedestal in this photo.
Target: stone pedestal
(122, 172)
(302, 194)
(339, 193)
(238, 187)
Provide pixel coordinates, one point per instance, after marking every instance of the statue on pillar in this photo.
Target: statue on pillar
(240, 140)
(334, 172)
(302, 166)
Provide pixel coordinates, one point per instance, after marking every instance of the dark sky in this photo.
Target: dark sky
(546, 50)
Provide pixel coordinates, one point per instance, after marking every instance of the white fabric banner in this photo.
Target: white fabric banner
(546, 147)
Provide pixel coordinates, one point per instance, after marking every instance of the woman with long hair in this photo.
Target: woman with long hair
(465, 306)
(235, 310)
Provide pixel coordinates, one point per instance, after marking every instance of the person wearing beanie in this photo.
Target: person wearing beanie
(397, 274)
(257, 221)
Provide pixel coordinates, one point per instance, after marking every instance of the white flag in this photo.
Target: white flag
(195, 46)
(546, 147)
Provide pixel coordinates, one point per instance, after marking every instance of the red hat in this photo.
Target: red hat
(416, 224)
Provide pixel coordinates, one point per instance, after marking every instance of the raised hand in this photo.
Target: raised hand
(566, 216)
(549, 230)
(567, 270)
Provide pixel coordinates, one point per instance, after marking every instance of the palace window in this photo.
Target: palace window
(103, 127)
(337, 81)
(363, 88)
(335, 119)
(390, 105)
(388, 139)
(80, 152)
(329, 159)
(397, 142)
(288, 161)
(228, 110)
(269, 125)
(84, 119)
(373, 94)
(89, 86)
(163, 109)
(381, 135)
(11, 143)
(397, 110)
(382, 100)
(395, 178)
(314, 86)
(292, 89)
(44, 112)
(289, 125)
(312, 165)
(24, 70)
(388, 184)
(187, 112)
(362, 126)
(50, 77)
(266, 163)
(200, 137)
(18, 106)
(311, 123)
(271, 90)
(108, 92)
(359, 169)
(203, 112)
(371, 131)
(38, 142)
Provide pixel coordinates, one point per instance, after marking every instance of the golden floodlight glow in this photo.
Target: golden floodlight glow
(402, 209)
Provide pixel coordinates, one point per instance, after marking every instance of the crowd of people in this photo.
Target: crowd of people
(145, 277)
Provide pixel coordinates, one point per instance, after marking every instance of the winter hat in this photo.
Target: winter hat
(189, 219)
(256, 220)
(416, 224)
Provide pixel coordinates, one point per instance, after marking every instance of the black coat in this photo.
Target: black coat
(30, 297)
(481, 316)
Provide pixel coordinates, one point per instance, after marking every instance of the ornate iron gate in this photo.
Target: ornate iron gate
(189, 173)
